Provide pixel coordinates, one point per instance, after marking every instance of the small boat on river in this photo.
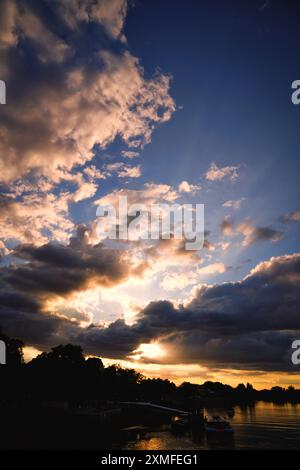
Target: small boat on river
(217, 425)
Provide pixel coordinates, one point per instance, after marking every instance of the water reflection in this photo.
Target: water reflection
(261, 425)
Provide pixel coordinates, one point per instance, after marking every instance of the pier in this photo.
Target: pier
(149, 405)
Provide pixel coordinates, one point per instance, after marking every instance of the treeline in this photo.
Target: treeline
(64, 374)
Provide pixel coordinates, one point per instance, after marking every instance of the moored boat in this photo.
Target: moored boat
(217, 425)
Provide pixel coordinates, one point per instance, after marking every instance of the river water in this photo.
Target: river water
(258, 426)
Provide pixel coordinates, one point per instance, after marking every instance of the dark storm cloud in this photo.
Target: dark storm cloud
(267, 351)
(59, 269)
(245, 325)
(44, 272)
(249, 324)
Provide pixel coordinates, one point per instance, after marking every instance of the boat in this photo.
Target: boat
(217, 425)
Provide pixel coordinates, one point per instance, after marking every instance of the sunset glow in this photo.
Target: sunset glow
(108, 105)
(148, 351)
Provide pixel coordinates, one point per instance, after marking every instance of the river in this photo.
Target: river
(258, 426)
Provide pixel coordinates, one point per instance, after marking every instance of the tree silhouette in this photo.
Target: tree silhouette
(63, 374)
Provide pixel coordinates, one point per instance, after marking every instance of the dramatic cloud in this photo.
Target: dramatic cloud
(80, 109)
(33, 218)
(65, 269)
(217, 174)
(33, 288)
(245, 325)
(31, 212)
(57, 110)
(18, 19)
(110, 13)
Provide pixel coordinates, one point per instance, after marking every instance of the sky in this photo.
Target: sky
(163, 102)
